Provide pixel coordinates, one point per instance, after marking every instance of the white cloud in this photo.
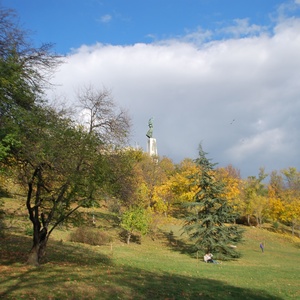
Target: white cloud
(105, 18)
(195, 92)
(242, 27)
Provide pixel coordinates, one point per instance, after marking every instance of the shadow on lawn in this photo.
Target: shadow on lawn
(77, 272)
(177, 244)
(15, 249)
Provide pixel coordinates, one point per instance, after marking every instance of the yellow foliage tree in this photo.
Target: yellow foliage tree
(233, 187)
(275, 204)
(176, 189)
(291, 214)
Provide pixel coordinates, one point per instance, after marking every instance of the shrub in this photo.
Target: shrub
(90, 236)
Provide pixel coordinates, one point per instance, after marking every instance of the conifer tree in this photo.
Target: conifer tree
(210, 223)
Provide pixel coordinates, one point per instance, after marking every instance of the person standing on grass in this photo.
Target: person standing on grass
(261, 245)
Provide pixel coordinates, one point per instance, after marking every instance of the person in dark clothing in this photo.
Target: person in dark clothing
(261, 245)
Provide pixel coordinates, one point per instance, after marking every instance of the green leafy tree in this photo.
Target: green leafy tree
(24, 73)
(255, 197)
(210, 222)
(66, 166)
(136, 219)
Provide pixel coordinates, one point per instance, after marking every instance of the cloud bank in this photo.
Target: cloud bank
(239, 96)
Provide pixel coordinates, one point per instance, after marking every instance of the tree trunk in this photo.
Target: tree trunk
(293, 228)
(38, 249)
(248, 220)
(33, 258)
(128, 237)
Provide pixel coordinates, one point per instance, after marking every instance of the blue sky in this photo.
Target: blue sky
(71, 23)
(195, 66)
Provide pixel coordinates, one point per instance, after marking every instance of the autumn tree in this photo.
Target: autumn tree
(291, 213)
(155, 172)
(255, 197)
(210, 223)
(275, 196)
(175, 189)
(233, 186)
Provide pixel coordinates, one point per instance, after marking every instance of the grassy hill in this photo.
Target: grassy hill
(157, 268)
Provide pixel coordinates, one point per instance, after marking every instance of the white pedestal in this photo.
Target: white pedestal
(152, 148)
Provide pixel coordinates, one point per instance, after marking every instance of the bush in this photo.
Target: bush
(243, 220)
(276, 225)
(90, 236)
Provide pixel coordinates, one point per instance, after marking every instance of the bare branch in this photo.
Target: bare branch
(102, 117)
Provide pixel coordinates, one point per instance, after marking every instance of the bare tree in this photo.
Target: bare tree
(103, 117)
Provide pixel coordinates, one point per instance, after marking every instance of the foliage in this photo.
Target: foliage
(136, 219)
(125, 183)
(233, 186)
(283, 196)
(275, 192)
(291, 196)
(175, 189)
(254, 194)
(65, 165)
(209, 224)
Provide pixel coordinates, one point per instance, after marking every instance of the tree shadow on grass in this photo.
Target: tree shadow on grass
(176, 244)
(76, 272)
(15, 249)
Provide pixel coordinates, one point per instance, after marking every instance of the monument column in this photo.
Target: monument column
(151, 146)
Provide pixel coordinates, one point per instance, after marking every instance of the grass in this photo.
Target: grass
(154, 269)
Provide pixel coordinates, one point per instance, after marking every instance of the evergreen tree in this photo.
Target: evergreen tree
(210, 223)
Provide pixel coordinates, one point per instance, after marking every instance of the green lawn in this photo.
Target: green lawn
(154, 269)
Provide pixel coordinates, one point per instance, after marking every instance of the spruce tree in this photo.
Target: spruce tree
(210, 223)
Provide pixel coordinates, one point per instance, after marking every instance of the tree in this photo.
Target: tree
(255, 201)
(58, 162)
(102, 116)
(291, 196)
(66, 166)
(24, 72)
(175, 189)
(210, 223)
(135, 219)
(233, 186)
(25, 69)
(155, 172)
(275, 196)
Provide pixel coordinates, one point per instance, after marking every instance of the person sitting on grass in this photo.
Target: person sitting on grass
(208, 259)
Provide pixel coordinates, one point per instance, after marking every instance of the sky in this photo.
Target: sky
(223, 73)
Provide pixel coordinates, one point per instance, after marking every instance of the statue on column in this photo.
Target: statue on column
(151, 145)
(150, 131)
